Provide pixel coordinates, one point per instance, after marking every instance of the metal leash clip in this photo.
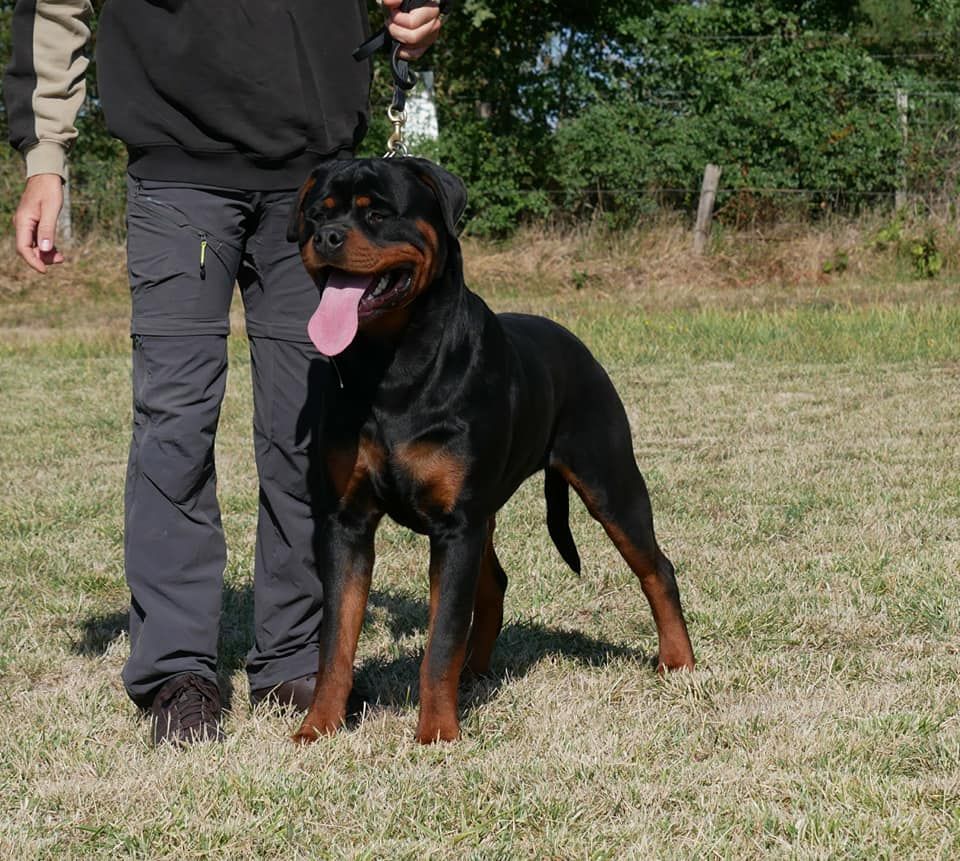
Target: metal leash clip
(396, 146)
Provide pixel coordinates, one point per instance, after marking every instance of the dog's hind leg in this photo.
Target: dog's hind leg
(487, 608)
(598, 462)
(626, 516)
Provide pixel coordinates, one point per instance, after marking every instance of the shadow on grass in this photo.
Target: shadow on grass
(390, 683)
(97, 633)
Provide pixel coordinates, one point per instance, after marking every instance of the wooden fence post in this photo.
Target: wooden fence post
(903, 106)
(708, 194)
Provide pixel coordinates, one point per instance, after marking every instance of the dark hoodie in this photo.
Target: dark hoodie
(244, 93)
(237, 93)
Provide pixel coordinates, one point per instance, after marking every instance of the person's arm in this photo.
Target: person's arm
(416, 30)
(43, 89)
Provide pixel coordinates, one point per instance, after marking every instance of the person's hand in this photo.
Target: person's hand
(416, 30)
(35, 221)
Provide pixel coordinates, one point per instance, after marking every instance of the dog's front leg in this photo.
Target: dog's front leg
(346, 565)
(455, 555)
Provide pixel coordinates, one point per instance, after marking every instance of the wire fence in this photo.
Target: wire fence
(98, 200)
(928, 179)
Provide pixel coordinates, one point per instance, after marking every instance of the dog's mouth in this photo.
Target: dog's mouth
(346, 298)
(384, 289)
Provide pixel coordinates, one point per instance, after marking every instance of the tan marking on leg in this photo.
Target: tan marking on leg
(438, 702)
(335, 677)
(675, 650)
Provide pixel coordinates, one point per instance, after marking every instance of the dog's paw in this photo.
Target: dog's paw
(432, 729)
(313, 728)
(432, 736)
(668, 663)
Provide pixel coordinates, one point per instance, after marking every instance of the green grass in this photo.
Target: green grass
(928, 333)
(805, 475)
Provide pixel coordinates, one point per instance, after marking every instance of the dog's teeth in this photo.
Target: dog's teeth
(384, 283)
(381, 285)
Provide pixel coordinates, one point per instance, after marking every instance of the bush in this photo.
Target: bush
(776, 108)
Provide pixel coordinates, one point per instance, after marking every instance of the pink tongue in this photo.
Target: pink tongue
(334, 324)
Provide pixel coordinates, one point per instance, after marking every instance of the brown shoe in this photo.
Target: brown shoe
(186, 710)
(298, 695)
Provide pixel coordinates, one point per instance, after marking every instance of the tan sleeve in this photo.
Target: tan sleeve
(44, 85)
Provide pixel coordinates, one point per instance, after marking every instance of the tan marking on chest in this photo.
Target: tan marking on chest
(439, 473)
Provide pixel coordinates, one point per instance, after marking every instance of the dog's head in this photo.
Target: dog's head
(374, 234)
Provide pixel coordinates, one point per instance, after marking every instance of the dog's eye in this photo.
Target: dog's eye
(374, 217)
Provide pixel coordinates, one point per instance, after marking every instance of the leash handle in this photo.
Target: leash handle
(404, 79)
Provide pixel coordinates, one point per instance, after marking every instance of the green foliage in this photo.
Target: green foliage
(943, 16)
(744, 87)
(921, 252)
(926, 258)
(837, 264)
(891, 234)
(502, 177)
(619, 119)
(508, 73)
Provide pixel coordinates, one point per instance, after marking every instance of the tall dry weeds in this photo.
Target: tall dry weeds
(843, 261)
(779, 264)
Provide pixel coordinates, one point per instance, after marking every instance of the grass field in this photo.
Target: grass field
(801, 447)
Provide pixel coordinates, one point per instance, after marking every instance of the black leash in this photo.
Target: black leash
(404, 78)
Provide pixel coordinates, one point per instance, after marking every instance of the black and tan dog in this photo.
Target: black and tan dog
(445, 408)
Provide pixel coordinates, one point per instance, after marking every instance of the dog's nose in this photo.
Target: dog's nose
(329, 239)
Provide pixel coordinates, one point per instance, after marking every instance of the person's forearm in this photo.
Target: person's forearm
(44, 82)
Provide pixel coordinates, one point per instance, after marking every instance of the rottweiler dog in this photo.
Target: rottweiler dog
(443, 409)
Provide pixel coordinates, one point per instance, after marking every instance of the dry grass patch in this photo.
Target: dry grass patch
(786, 265)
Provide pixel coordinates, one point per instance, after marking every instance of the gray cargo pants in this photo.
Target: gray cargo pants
(186, 247)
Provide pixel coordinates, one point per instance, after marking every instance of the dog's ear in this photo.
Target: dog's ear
(295, 223)
(449, 190)
(320, 175)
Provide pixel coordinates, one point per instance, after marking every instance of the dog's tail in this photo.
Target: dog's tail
(557, 492)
